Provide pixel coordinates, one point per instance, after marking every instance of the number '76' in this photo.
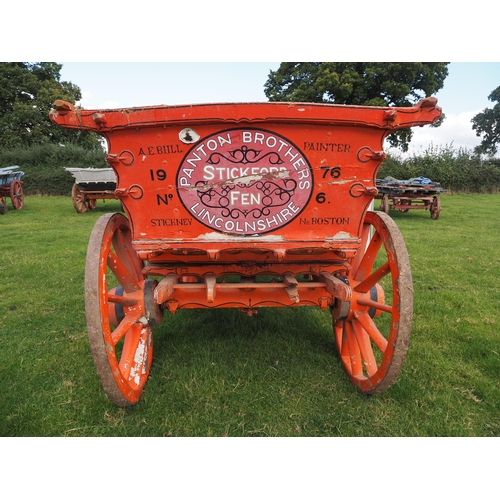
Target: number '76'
(334, 172)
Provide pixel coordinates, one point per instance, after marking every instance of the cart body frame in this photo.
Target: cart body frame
(245, 206)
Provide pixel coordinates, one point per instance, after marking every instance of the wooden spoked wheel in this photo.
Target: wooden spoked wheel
(120, 310)
(3, 206)
(17, 195)
(402, 204)
(435, 208)
(384, 204)
(373, 340)
(80, 201)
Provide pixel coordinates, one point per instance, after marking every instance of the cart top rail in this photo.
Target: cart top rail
(280, 177)
(389, 118)
(10, 174)
(4, 170)
(416, 185)
(92, 175)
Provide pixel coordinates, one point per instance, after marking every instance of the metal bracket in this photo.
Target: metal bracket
(165, 288)
(210, 282)
(291, 289)
(341, 292)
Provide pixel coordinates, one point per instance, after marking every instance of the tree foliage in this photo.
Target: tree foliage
(364, 84)
(27, 92)
(487, 124)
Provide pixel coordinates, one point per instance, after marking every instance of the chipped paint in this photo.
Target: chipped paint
(342, 235)
(232, 237)
(188, 136)
(139, 359)
(243, 180)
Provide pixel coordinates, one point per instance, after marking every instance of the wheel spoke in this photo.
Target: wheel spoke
(371, 304)
(342, 346)
(365, 240)
(372, 330)
(369, 257)
(120, 299)
(122, 245)
(368, 358)
(122, 273)
(373, 279)
(354, 353)
(134, 359)
(125, 325)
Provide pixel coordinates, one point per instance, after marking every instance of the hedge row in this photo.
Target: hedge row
(44, 166)
(457, 170)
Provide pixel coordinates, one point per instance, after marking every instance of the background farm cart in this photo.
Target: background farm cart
(419, 193)
(223, 204)
(92, 184)
(11, 185)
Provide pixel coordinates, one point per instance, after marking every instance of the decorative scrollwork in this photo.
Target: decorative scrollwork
(245, 155)
(272, 196)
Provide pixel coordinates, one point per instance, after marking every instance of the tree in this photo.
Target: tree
(487, 123)
(365, 84)
(27, 92)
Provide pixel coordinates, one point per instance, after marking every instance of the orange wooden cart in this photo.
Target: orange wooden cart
(245, 206)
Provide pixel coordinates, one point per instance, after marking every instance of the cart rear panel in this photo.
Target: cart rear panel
(274, 176)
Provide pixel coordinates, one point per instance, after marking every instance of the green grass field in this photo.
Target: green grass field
(221, 373)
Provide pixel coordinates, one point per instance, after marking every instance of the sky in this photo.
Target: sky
(215, 51)
(126, 84)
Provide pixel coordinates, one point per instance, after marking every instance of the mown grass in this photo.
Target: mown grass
(221, 373)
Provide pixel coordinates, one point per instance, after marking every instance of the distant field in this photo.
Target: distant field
(221, 373)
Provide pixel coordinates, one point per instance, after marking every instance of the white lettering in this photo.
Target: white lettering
(289, 153)
(259, 138)
(212, 145)
(192, 161)
(223, 141)
(200, 148)
(303, 174)
(188, 171)
(208, 170)
(271, 141)
(237, 197)
(283, 144)
(299, 163)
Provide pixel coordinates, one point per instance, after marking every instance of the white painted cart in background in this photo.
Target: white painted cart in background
(92, 184)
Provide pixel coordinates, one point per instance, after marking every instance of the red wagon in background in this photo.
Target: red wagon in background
(413, 194)
(245, 206)
(11, 185)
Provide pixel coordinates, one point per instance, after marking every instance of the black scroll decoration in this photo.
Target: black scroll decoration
(274, 196)
(245, 155)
